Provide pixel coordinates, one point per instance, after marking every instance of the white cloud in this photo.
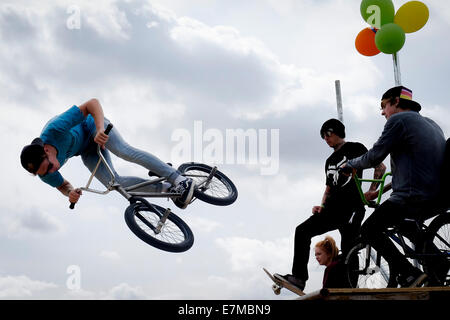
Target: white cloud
(106, 19)
(12, 287)
(195, 56)
(193, 35)
(110, 255)
(264, 64)
(80, 294)
(234, 287)
(248, 255)
(141, 97)
(30, 221)
(440, 114)
(440, 9)
(203, 224)
(286, 192)
(363, 107)
(124, 291)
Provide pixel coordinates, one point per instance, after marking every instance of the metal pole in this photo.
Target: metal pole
(340, 111)
(397, 74)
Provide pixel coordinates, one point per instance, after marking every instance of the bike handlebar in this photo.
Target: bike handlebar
(381, 190)
(107, 130)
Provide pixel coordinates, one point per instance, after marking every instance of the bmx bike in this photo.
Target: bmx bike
(431, 252)
(158, 226)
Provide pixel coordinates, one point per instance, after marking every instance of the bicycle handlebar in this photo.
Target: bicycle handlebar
(380, 191)
(107, 130)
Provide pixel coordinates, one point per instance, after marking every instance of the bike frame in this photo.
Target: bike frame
(127, 192)
(394, 234)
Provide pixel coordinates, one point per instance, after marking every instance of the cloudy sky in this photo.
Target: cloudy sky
(163, 67)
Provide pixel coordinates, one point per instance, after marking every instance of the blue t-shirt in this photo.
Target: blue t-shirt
(69, 133)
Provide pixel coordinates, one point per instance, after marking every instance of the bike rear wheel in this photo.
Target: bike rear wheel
(174, 235)
(366, 268)
(218, 190)
(437, 267)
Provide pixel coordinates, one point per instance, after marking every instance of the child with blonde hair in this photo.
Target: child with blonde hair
(327, 254)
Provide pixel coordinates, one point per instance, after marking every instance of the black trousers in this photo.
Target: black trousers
(329, 219)
(391, 214)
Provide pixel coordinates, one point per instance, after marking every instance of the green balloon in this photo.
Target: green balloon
(390, 38)
(377, 13)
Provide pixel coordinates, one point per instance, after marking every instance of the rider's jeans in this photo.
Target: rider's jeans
(117, 145)
(390, 214)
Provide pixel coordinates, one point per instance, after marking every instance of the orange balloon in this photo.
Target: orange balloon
(365, 42)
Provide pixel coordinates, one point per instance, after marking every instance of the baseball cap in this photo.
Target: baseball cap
(32, 155)
(405, 96)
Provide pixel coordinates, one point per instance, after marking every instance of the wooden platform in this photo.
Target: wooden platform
(426, 293)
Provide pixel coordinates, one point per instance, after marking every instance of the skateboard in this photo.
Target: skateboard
(279, 283)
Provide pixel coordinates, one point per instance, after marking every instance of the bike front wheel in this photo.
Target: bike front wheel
(366, 268)
(212, 186)
(144, 220)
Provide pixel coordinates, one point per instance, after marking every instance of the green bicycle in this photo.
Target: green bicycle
(432, 254)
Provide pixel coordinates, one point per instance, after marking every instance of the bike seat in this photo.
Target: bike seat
(152, 174)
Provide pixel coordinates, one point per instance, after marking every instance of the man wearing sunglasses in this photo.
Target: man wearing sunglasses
(77, 132)
(416, 146)
(341, 207)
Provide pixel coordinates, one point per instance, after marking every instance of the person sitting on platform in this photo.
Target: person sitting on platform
(327, 254)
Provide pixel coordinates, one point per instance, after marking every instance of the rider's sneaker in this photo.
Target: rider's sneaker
(415, 278)
(186, 188)
(299, 283)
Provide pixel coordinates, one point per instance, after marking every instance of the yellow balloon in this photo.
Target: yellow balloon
(412, 16)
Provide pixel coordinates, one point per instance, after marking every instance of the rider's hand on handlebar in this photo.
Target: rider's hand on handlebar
(101, 138)
(345, 170)
(74, 195)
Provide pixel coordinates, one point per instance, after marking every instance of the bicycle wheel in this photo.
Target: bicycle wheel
(367, 269)
(219, 190)
(437, 266)
(143, 218)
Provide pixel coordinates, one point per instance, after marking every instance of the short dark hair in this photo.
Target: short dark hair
(32, 155)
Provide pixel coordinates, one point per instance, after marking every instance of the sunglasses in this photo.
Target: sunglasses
(327, 133)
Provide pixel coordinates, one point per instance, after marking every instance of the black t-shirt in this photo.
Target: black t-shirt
(343, 189)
